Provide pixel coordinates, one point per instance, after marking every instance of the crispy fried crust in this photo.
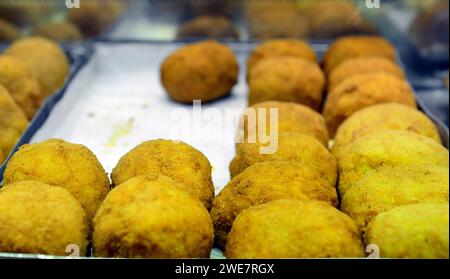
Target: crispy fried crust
(151, 217)
(293, 229)
(177, 160)
(40, 218)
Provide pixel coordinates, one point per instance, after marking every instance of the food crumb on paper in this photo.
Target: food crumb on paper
(119, 130)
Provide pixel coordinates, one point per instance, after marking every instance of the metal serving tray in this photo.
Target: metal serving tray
(113, 100)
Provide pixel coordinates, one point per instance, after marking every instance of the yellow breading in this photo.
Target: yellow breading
(12, 123)
(391, 187)
(293, 147)
(45, 60)
(387, 148)
(388, 116)
(59, 31)
(349, 47)
(292, 117)
(411, 231)
(201, 71)
(174, 159)
(293, 229)
(361, 91)
(150, 217)
(24, 89)
(60, 163)
(39, 218)
(280, 48)
(363, 65)
(288, 79)
(264, 182)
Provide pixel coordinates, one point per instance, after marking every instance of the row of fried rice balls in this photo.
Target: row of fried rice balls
(283, 204)
(31, 69)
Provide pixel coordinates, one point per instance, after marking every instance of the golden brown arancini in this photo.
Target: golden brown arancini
(388, 148)
(64, 31)
(264, 182)
(293, 229)
(24, 89)
(208, 26)
(60, 163)
(8, 32)
(411, 231)
(12, 122)
(202, 71)
(292, 117)
(291, 146)
(151, 217)
(287, 79)
(280, 48)
(390, 187)
(362, 91)
(45, 60)
(363, 65)
(40, 218)
(175, 159)
(349, 47)
(388, 116)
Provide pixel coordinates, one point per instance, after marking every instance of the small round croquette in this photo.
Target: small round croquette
(8, 32)
(40, 218)
(349, 47)
(60, 163)
(264, 182)
(387, 116)
(45, 60)
(287, 79)
(59, 31)
(202, 71)
(362, 91)
(293, 229)
(175, 159)
(391, 187)
(150, 217)
(412, 231)
(388, 148)
(12, 122)
(280, 48)
(24, 89)
(363, 65)
(291, 146)
(292, 117)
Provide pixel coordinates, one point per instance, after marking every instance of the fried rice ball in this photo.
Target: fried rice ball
(12, 123)
(292, 117)
(151, 217)
(175, 159)
(293, 229)
(290, 146)
(264, 182)
(388, 116)
(280, 48)
(8, 32)
(41, 219)
(287, 79)
(357, 46)
(362, 91)
(202, 71)
(24, 89)
(363, 65)
(59, 31)
(214, 27)
(388, 148)
(60, 163)
(412, 231)
(391, 187)
(45, 60)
